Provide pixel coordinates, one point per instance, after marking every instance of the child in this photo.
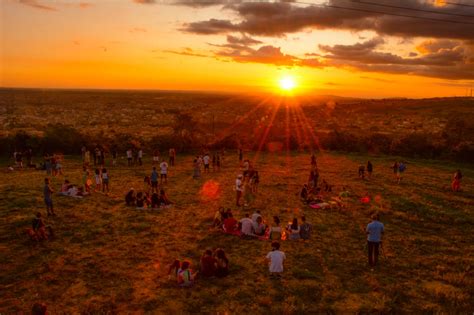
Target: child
(185, 275)
(276, 231)
(105, 181)
(275, 259)
(98, 180)
(140, 201)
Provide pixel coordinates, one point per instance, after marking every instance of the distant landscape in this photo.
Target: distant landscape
(428, 128)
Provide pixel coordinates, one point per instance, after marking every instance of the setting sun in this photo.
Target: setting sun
(287, 83)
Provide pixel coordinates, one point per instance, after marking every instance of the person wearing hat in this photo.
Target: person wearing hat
(239, 188)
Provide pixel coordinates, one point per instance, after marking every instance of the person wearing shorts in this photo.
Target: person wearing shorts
(48, 194)
(163, 172)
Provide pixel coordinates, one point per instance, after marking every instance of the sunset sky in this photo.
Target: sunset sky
(338, 47)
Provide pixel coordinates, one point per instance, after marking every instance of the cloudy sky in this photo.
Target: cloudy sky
(363, 48)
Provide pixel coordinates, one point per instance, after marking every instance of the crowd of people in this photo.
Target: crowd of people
(316, 193)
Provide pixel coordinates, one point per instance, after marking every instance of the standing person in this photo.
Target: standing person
(156, 157)
(276, 259)
(305, 229)
(206, 159)
(313, 161)
(164, 172)
(129, 157)
(48, 197)
(241, 156)
(140, 157)
(172, 155)
(83, 153)
(401, 169)
(98, 180)
(19, 159)
(456, 184)
(87, 158)
(239, 187)
(197, 168)
(114, 156)
(255, 182)
(218, 162)
(29, 156)
(395, 169)
(154, 180)
(105, 181)
(208, 264)
(370, 169)
(100, 159)
(361, 171)
(374, 231)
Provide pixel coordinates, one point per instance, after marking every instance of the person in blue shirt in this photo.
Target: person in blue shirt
(374, 233)
(154, 180)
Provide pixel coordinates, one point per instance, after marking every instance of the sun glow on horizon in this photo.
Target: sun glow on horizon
(287, 83)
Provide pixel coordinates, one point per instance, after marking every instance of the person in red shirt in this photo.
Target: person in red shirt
(230, 224)
(208, 264)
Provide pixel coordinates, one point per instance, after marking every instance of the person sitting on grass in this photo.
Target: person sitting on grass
(275, 231)
(147, 199)
(294, 230)
(39, 228)
(258, 227)
(186, 275)
(174, 269)
(325, 186)
(305, 229)
(155, 201)
(276, 259)
(230, 224)
(208, 264)
(140, 201)
(130, 197)
(255, 215)
(164, 200)
(246, 227)
(222, 263)
(218, 217)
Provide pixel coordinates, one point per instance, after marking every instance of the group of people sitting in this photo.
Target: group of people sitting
(254, 226)
(212, 264)
(71, 190)
(142, 200)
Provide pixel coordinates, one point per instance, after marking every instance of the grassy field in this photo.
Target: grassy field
(108, 258)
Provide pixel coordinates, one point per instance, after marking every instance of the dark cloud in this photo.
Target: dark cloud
(145, 1)
(280, 18)
(244, 40)
(265, 54)
(442, 59)
(37, 5)
(187, 52)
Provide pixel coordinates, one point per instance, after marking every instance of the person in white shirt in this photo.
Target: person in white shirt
(206, 159)
(239, 188)
(275, 259)
(140, 157)
(164, 172)
(255, 215)
(246, 226)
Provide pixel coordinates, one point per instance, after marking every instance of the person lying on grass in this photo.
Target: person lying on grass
(208, 264)
(275, 259)
(293, 230)
(130, 197)
(185, 275)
